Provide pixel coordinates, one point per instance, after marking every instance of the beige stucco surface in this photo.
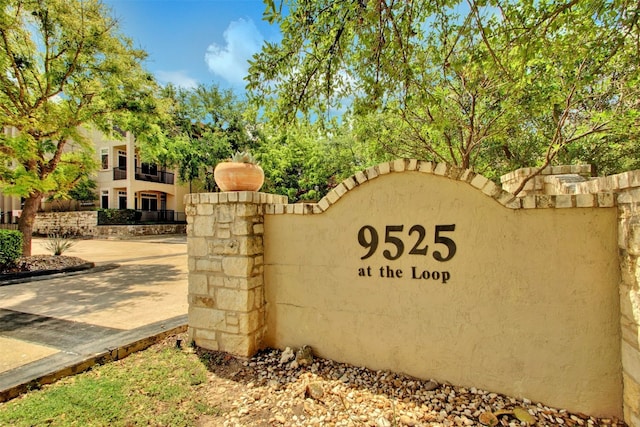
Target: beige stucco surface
(530, 308)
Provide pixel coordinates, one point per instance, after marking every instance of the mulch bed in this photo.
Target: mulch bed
(43, 262)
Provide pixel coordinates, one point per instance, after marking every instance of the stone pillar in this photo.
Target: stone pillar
(629, 244)
(225, 255)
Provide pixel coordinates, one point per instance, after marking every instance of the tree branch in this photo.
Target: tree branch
(476, 13)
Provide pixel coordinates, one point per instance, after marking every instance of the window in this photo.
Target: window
(149, 169)
(104, 158)
(122, 160)
(149, 201)
(104, 199)
(122, 200)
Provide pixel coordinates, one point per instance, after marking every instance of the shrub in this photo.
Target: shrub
(117, 216)
(58, 244)
(10, 247)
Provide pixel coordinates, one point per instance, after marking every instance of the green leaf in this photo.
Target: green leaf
(524, 416)
(454, 81)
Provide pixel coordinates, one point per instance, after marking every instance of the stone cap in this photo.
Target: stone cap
(481, 183)
(518, 174)
(234, 197)
(278, 205)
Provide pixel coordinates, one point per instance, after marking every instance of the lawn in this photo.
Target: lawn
(154, 387)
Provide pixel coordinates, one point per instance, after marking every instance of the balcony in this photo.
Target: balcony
(145, 174)
(119, 173)
(149, 174)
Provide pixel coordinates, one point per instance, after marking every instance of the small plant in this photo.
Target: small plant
(241, 173)
(10, 247)
(243, 157)
(57, 244)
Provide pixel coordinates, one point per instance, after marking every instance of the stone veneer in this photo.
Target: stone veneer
(547, 180)
(125, 231)
(78, 223)
(226, 284)
(485, 185)
(617, 183)
(85, 224)
(629, 244)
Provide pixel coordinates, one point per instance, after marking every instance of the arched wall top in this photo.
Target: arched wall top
(475, 180)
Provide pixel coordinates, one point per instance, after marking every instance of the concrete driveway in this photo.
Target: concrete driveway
(53, 327)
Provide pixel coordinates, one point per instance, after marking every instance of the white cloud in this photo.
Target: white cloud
(177, 78)
(242, 40)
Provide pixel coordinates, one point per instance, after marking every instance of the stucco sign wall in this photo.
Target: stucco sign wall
(423, 269)
(428, 275)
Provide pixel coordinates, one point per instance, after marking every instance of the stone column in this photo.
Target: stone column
(629, 244)
(226, 284)
(131, 171)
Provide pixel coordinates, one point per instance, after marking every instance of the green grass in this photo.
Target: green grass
(154, 387)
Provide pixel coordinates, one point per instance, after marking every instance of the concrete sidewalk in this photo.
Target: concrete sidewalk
(63, 325)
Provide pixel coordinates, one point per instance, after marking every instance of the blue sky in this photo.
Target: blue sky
(196, 41)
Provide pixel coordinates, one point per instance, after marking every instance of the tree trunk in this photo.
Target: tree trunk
(27, 218)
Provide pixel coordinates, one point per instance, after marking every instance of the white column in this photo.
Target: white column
(131, 170)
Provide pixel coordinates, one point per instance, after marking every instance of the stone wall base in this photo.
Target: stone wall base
(72, 224)
(124, 231)
(85, 224)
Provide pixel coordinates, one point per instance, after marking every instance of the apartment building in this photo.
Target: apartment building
(126, 182)
(10, 206)
(123, 182)
(10, 209)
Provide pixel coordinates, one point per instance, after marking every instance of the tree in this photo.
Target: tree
(304, 164)
(63, 64)
(491, 85)
(207, 125)
(84, 191)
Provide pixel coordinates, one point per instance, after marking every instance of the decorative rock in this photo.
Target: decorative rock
(314, 391)
(430, 385)
(407, 421)
(304, 356)
(338, 394)
(287, 355)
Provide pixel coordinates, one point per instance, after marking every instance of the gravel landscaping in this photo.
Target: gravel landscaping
(273, 388)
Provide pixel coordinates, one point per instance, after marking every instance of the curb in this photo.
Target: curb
(63, 364)
(32, 276)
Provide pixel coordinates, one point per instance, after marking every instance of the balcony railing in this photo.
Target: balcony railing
(160, 216)
(130, 216)
(161, 177)
(119, 173)
(156, 176)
